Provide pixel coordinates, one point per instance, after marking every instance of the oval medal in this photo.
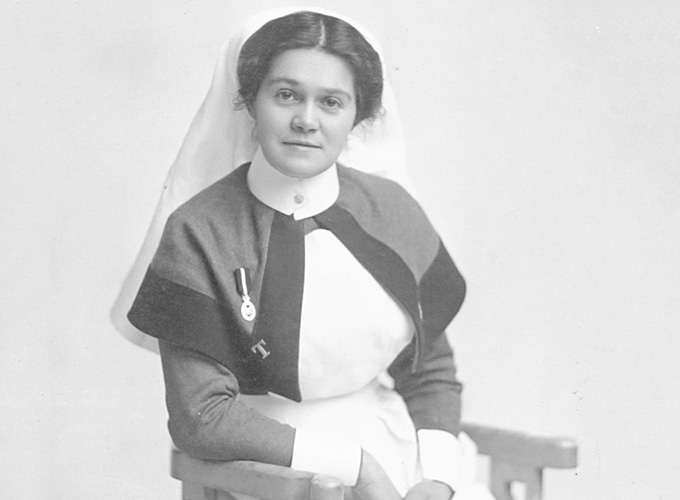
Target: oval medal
(248, 310)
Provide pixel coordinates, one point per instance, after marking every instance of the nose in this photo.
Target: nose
(305, 119)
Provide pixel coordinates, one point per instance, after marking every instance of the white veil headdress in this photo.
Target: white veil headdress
(220, 139)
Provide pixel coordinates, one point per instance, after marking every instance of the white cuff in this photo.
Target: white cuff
(440, 457)
(322, 453)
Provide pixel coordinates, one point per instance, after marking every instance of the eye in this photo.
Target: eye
(285, 96)
(332, 103)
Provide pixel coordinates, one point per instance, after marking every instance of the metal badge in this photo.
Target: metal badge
(260, 347)
(248, 310)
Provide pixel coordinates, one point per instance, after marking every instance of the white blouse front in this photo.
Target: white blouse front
(351, 329)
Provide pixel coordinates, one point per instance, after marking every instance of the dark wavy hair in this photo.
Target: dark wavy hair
(311, 30)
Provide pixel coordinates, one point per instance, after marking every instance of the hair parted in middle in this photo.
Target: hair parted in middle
(312, 30)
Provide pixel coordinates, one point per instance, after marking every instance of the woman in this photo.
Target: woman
(300, 304)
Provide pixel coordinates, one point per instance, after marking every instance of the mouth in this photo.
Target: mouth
(302, 144)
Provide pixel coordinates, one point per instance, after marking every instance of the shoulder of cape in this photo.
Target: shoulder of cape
(228, 195)
(221, 228)
(384, 208)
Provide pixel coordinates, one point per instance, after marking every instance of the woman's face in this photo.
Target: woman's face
(304, 111)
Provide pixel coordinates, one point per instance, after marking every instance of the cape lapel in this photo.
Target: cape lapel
(276, 334)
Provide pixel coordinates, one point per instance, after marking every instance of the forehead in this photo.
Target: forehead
(311, 68)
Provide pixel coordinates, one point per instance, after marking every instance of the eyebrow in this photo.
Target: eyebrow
(294, 83)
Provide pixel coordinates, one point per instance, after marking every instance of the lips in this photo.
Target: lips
(302, 144)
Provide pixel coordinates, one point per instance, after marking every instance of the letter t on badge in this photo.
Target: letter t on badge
(248, 310)
(260, 347)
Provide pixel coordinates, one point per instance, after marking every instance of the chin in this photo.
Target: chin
(301, 171)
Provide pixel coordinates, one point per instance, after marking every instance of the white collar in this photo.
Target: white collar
(289, 195)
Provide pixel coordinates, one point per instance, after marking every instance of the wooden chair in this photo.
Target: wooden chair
(514, 457)
(517, 457)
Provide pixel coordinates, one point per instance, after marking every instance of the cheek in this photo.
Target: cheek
(267, 126)
(267, 118)
(343, 130)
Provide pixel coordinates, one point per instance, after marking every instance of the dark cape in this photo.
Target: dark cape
(190, 296)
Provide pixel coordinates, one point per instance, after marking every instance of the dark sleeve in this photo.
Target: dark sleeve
(432, 394)
(208, 422)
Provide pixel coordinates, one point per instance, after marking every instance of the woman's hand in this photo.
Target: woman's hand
(429, 490)
(373, 483)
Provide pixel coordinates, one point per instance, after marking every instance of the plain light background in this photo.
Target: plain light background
(544, 140)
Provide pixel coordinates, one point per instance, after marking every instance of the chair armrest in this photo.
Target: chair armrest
(264, 481)
(522, 448)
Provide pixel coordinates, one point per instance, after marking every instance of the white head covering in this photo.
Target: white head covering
(220, 139)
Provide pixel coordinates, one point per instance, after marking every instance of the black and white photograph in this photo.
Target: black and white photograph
(333, 250)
